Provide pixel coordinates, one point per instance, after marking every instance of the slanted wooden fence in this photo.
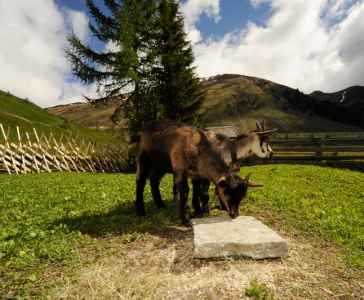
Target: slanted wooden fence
(339, 149)
(42, 154)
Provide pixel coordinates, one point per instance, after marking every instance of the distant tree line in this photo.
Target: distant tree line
(326, 109)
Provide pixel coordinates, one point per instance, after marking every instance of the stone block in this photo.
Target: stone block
(245, 235)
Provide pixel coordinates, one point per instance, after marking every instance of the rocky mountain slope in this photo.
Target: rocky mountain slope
(241, 101)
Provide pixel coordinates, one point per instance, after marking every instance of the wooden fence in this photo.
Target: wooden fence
(42, 154)
(339, 149)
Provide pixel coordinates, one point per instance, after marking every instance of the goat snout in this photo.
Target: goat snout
(234, 214)
(269, 155)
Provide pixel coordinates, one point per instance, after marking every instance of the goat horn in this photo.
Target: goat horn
(259, 128)
(252, 183)
(267, 133)
(246, 179)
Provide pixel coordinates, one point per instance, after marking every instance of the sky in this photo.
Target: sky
(305, 44)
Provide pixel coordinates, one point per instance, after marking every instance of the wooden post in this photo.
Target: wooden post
(39, 147)
(68, 156)
(61, 154)
(20, 146)
(10, 152)
(33, 157)
(52, 156)
(5, 146)
(106, 165)
(79, 149)
(95, 157)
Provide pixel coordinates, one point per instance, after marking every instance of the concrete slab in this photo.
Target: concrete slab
(245, 235)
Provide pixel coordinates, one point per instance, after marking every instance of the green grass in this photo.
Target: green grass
(45, 218)
(318, 201)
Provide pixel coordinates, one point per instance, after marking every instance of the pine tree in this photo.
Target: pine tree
(150, 56)
(180, 91)
(129, 29)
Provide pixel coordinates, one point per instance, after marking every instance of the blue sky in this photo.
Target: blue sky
(305, 44)
(236, 15)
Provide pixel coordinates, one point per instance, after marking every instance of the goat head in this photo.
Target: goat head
(230, 195)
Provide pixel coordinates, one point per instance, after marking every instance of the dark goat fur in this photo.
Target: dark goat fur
(171, 147)
(255, 142)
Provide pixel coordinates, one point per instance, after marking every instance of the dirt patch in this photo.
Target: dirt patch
(162, 267)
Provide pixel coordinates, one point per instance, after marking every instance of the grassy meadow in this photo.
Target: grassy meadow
(53, 224)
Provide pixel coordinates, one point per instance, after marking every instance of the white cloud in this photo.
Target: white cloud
(299, 46)
(33, 65)
(256, 3)
(305, 44)
(79, 24)
(193, 9)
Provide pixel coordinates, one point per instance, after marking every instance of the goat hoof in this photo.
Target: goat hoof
(206, 210)
(186, 223)
(198, 214)
(161, 205)
(141, 213)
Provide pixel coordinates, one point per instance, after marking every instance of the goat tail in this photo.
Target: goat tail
(135, 138)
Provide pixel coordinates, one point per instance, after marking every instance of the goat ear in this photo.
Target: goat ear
(220, 191)
(267, 133)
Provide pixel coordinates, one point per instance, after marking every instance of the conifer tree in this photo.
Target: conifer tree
(128, 30)
(180, 91)
(149, 56)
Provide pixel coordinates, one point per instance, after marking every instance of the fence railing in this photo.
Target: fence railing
(340, 149)
(42, 154)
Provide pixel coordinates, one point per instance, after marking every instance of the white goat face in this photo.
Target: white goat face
(261, 147)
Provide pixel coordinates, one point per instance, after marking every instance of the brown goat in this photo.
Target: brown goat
(171, 147)
(231, 149)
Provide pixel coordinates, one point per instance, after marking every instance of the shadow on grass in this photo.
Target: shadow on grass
(122, 220)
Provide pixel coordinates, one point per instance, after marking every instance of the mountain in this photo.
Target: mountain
(346, 105)
(241, 100)
(348, 97)
(235, 100)
(16, 112)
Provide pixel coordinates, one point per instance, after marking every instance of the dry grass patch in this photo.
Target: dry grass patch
(162, 267)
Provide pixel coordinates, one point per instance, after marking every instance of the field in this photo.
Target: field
(76, 236)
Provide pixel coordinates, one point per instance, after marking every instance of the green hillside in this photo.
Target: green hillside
(17, 112)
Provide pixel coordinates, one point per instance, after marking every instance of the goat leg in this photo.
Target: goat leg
(154, 185)
(196, 198)
(205, 185)
(183, 190)
(139, 203)
(175, 193)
